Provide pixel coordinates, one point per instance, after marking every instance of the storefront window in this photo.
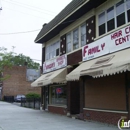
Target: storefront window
(58, 95)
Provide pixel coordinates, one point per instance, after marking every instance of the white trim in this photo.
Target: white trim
(64, 106)
(125, 112)
(63, 19)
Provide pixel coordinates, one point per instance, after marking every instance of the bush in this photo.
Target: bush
(33, 95)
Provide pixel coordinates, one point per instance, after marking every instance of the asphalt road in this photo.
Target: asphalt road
(14, 117)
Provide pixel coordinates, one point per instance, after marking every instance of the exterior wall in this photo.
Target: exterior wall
(53, 40)
(105, 117)
(63, 45)
(78, 22)
(74, 58)
(105, 99)
(58, 110)
(17, 83)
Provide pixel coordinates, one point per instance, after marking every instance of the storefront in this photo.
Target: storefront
(105, 77)
(53, 84)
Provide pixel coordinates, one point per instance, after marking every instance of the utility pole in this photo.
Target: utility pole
(0, 6)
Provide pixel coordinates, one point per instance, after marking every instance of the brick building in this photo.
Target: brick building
(17, 83)
(85, 57)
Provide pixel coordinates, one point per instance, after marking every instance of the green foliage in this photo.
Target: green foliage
(9, 59)
(32, 95)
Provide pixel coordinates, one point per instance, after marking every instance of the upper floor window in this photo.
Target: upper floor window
(114, 17)
(68, 42)
(75, 39)
(52, 50)
(83, 35)
(128, 9)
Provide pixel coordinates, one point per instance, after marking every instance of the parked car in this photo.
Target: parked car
(19, 97)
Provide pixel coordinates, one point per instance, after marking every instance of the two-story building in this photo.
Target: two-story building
(86, 62)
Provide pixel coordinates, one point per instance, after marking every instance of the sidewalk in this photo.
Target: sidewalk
(13, 117)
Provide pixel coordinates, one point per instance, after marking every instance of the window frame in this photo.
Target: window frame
(52, 51)
(83, 25)
(115, 17)
(50, 95)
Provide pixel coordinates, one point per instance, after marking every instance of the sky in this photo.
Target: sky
(22, 20)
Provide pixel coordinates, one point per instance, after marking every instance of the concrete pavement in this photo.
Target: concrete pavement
(13, 117)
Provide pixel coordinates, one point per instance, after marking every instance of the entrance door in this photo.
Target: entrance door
(46, 97)
(74, 98)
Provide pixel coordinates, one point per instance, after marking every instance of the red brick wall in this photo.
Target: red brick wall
(105, 117)
(17, 83)
(57, 110)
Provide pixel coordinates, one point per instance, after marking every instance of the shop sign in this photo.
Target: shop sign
(111, 43)
(95, 49)
(119, 40)
(55, 64)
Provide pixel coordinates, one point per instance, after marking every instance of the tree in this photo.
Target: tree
(9, 59)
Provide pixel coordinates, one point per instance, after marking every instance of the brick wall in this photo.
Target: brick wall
(57, 110)
(105, 117)
(17, 83)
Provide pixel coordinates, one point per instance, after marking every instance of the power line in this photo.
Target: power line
(34, 6)
(19, 32)
(24, 13)
(30, 8)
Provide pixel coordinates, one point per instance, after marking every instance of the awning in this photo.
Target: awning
(106, 65)
(57, 76)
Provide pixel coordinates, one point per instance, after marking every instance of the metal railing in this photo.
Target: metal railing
(31, 102)
(9, 99)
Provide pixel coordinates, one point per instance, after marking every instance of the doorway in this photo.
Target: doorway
(46, 99)
(74, 98)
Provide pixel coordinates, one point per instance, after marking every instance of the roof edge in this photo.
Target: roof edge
(36, 41)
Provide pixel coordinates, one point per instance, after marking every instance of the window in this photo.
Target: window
(114, 17)
(83, 35)
(68, 42)
(52, 50)
(58, 95)
(120, 13)
(128, 9)
(110, 19)
(101, 22)
(75, 39)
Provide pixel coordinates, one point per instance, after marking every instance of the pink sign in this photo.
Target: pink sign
(111, 43)
(119, 39)
(95, 49)
(55, 64)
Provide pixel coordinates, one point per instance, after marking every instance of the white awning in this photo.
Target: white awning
(117, 62)
(57, 76)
